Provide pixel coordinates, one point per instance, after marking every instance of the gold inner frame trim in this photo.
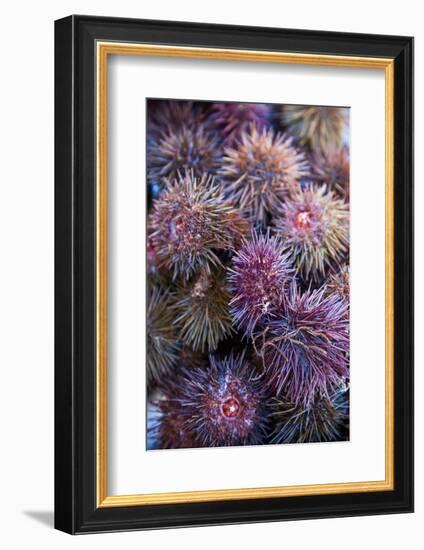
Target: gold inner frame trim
(103, 50)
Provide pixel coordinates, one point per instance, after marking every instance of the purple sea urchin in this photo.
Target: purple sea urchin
(306, 349)
(189, 148)
(323, 419)
(224, 404)
(259, 275)
(201, 311)
(232, 118)
(260, 170)
(319, 127)
(190, 222)
(332, 169)
(162, 345)
(315, 226)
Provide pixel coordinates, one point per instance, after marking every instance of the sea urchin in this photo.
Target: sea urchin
(319, 127)
(260, 170)
(201, 311)
(169, 116)
(306, 349)
(323, 419)
(188, 148)
(315, 226)
(332, 169)
(224, 404)
(339, 282)
(162, 345)
(190, 222)
(259, 276)
(233, 118)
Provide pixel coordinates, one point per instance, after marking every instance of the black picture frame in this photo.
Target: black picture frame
(76, 508)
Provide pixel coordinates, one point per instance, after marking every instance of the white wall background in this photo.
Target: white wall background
(26, 272)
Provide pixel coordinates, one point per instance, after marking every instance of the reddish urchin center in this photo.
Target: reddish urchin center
(230, 407)
(303, 219)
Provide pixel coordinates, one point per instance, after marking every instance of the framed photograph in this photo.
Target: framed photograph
(234, 274)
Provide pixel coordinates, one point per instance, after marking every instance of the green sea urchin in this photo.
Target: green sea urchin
(190, 222)
(162, 345)
(260, 170)
(319, 127)
(189, 148)
(201, 311)
(315, 226)
(323, 419)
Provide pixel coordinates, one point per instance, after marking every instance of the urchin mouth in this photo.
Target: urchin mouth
(303, 219)
(230, 408)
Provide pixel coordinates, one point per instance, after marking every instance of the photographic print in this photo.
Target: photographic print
(247, 274)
